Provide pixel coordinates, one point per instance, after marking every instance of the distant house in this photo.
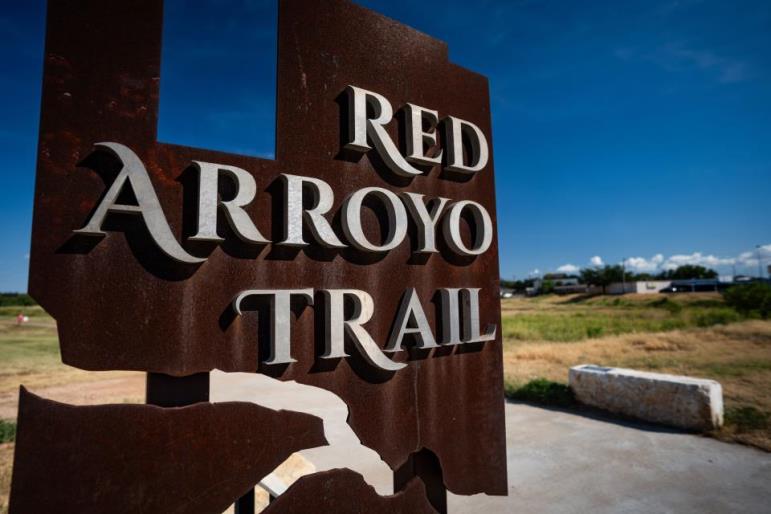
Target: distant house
(507, 292)
(560, 284)
(569, 286)
(695, 285)
(638, 287)
(667, 286)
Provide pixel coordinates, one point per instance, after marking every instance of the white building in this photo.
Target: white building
(638, 287)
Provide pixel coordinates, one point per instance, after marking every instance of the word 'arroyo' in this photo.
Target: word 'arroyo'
(459, 322)
(296, 216)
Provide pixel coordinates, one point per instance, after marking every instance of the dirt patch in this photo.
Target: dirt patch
(125, 388)
(6, 465)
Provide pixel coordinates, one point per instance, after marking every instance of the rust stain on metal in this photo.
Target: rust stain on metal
(343, 491)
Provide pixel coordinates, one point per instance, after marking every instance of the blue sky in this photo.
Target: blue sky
(622, 130)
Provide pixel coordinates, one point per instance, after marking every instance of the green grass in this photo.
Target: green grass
(15, 299)
(7, 431)
(566, 326)
(21, 348)
(11, 311)
(597, 317)
(738, 368)
(649, 363)
(25, 349)
(707, 317)
(542, 392)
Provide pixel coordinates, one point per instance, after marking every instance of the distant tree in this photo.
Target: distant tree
(16, 299)
(689, 271)
(613, 273)
(589, 276)
(602, 277)
(516, 285)
(557, 276)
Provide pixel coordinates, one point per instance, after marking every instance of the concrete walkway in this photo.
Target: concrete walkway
(567, 463)
(557, 462)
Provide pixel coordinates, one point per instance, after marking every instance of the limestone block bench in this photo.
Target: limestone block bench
(684, 402)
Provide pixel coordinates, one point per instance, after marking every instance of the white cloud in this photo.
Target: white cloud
(643, 265)
(724, 69)
(676, 57)
(747, 260)
(697, 259)
(26, 256)
(750, 259)
(744, 259)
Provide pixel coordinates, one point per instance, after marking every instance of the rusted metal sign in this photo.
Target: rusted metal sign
(362, 260)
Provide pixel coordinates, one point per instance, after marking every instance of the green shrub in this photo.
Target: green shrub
(7, 431)
(706, 303)
(592, 332)
(750, 298)
(746, 418)
(542, 392)
(736, 368)
(667, 304)
(16, 299)
(716, 317)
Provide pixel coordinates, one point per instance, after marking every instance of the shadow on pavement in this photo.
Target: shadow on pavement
(593, 413)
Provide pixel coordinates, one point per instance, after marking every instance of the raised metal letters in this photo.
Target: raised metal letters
(148, 205)
(397, 220)
(246, 189)
(448, 298)
(410, 319)
(418, 138)
(294, 213)
(456, 128)
(470, 302)
(359, 127)
(484, 228)
(411, 312)
(424, 220)
(280, 319)
(337, 326)
(296, 216)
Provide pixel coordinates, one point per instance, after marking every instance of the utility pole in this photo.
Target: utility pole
(623, 275)
(760, 263)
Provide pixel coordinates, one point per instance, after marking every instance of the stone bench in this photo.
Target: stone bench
(684, 402)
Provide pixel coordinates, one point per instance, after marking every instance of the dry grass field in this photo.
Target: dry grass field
(695, 335)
